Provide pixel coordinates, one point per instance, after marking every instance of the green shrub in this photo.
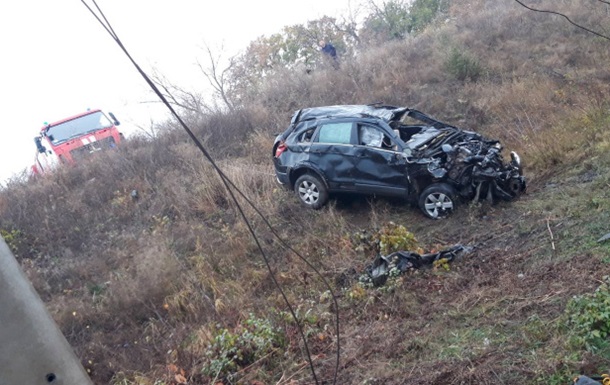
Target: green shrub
(463, 66)
(423, 12)
(12, 238)
(589, 317)
(230, 351)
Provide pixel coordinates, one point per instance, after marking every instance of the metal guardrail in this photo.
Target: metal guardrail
(32, 348)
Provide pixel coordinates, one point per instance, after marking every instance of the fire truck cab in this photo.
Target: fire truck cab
(73, 138)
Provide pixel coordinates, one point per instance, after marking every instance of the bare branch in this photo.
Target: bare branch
(185, 100)
(217, 79)
(349, 30)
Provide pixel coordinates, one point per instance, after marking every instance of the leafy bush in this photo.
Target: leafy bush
(422, 13)
(393, 237)
(390, 21)
(589, 316)
(21, 245)
(463, 66)
(231, 351)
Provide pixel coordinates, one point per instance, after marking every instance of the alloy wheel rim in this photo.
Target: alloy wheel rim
(308, 192)
(437, 203)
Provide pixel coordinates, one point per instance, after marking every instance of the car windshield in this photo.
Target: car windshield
(79, 126)
(422, 138)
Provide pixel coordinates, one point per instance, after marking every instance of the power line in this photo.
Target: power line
(228, 185)
(567, 18)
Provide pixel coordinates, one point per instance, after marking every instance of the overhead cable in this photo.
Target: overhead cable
(231, 187)
(567, 18)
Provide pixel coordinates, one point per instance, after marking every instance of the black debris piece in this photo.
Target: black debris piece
(584, 380)
(398, 262)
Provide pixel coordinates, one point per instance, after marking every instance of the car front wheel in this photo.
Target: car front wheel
(311, 191)
(437, 201)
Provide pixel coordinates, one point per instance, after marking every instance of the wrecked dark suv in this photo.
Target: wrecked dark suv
(392, 151)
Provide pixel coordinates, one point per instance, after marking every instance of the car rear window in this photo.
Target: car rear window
(336, 133)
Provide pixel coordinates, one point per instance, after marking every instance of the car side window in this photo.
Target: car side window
(336, 133)
(306, 136)
(373, 137)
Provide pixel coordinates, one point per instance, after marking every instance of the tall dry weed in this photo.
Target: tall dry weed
(137, 282)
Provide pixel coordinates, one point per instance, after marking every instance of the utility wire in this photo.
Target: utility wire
(567, 18)
(228, 184)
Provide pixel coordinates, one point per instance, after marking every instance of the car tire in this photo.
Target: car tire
(437, 201)
(311, 191)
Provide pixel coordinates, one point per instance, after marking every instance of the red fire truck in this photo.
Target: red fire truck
(71, 139)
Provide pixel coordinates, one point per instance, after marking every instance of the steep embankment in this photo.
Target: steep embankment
(170, 284)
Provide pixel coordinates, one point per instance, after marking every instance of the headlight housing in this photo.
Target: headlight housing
(515, 158)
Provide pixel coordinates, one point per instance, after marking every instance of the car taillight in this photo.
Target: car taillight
(280, 148)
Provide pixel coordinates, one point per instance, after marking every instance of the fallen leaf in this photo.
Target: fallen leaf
(180, 379)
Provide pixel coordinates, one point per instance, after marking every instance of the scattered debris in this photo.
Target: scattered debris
(397, 263)
(584, 380)
(604, 238)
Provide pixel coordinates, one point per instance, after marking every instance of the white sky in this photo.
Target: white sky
(57, 61)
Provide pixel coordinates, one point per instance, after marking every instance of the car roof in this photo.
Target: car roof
(386, 113)
(377, 111)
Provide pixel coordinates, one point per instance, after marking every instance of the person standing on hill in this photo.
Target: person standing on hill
(329, 51)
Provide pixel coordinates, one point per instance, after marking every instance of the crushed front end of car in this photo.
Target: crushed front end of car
(472, 164)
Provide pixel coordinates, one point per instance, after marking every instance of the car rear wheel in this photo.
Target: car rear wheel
(437, 201)
(311, 191)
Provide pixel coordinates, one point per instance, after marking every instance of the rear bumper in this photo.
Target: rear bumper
(281, 174)
(282, 179)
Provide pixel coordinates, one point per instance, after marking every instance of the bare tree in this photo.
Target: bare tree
(179, 97)
(217, 77)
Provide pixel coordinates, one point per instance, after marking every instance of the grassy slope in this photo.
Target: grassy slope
(140, 286)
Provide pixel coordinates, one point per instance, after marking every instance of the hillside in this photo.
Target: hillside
(171, 286)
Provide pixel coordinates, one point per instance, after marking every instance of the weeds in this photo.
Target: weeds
(393, 237)
(589, 317)
(165, 268)
(231, 351)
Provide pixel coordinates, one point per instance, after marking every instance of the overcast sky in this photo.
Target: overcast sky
(57, 61)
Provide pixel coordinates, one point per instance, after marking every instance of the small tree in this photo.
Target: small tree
(396, 19)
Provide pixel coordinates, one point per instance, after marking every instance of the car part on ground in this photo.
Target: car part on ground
(392, 151)
(584, 380)
(399, 262)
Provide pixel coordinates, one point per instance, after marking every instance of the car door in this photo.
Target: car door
(332, 153)
(380, 165)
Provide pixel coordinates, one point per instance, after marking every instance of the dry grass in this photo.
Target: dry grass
(141, 286)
